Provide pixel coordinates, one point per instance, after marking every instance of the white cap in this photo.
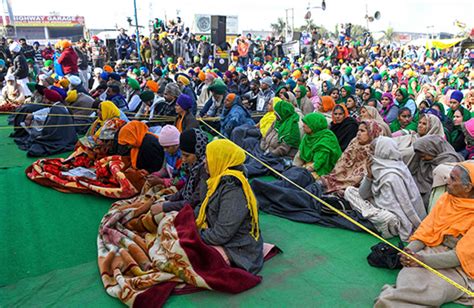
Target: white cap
(15, 47)
(9, 77)
(74, 80)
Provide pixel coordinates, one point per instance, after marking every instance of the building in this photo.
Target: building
(44, 28)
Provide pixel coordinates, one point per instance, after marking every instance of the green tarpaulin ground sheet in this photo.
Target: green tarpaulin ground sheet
(48, 253)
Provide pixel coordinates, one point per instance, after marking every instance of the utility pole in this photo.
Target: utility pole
(136, 29)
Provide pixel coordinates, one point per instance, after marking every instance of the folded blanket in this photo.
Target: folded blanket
(144, 258)
(113, 178)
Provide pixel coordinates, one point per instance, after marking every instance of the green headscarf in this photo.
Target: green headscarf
(218, 86)
(440, 106)
(321, 146)
(348, 90)
(410, 90)
(405, 99)
(133, 83)
(466, 115)
(286, 124)
(303, 92)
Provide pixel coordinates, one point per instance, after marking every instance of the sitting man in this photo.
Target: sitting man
(445, 242)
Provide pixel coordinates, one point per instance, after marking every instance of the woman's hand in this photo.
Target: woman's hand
(157, 208)
(154, 180)
(408, 262)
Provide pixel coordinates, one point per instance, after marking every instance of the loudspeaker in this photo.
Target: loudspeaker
(218, 29)
(222, 64)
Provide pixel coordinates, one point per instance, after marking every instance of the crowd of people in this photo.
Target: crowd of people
(384, 134)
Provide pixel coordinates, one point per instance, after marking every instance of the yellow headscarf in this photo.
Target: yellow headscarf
(267, 120)
(108, 111)
(71, 96)
(221, 155)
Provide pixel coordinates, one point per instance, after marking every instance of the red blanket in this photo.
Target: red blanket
(113, 177)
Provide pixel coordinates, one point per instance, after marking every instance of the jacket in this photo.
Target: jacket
(189, 122)
(229, 226)
(236, 116)
(68, 61)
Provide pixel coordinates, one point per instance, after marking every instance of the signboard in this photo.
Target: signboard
(45, 21)
(292, 48)
(202, 24)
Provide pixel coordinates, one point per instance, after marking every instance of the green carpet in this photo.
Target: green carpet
(49, 253)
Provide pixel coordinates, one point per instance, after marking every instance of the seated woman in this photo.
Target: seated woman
(313, 95)
(228, 216)
(335, 94)
(48, 135)
(145, 150)
(268, 118)
(443, 241)
(12, 94)
(304, 104)
(172, 173)
(468, 131)
(234, 115)
(430, 151)
(404, 123)
(353, 104)
(346, 91)
(387, 195)
(319, 149)
(343, 126)
(326, 107)
(284, 136)
(352, 166)
(371, 113)
(80, 106)
(456, 136)
(405, 101)
(99, 139)
(389, 111)
(428, 124)
(185, 119)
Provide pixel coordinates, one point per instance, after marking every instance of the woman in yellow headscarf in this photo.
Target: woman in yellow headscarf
(267, 120)
(99, 139)
(228, 216)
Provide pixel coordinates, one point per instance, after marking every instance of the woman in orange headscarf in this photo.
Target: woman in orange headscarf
(145, 150)
(327, 105)
(443, 241)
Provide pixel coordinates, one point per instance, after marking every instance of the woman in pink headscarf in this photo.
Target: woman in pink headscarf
(313, 95)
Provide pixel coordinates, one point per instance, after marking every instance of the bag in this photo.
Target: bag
(385, 256)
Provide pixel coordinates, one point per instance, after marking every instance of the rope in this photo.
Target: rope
(432, 270)
(44, 126)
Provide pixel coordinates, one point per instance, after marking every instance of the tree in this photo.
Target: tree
(357, 32)
(279, 27)
(389, 35)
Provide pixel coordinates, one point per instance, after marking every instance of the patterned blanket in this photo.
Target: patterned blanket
(109, 176)
(143, 259)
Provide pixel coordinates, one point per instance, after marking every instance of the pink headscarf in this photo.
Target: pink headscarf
(315, 99)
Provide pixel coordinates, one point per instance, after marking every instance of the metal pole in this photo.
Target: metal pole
(136, 29)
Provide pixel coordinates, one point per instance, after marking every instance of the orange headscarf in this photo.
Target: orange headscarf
(452, 216)
(327, 103)
(132, 134)
(346, 112)
(153, 86)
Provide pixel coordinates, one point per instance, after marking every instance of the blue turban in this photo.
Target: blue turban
(457, 95)
(185, 101)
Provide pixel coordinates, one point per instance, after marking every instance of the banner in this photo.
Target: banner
(43, 21)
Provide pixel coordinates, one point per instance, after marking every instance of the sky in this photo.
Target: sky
(403, 15)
